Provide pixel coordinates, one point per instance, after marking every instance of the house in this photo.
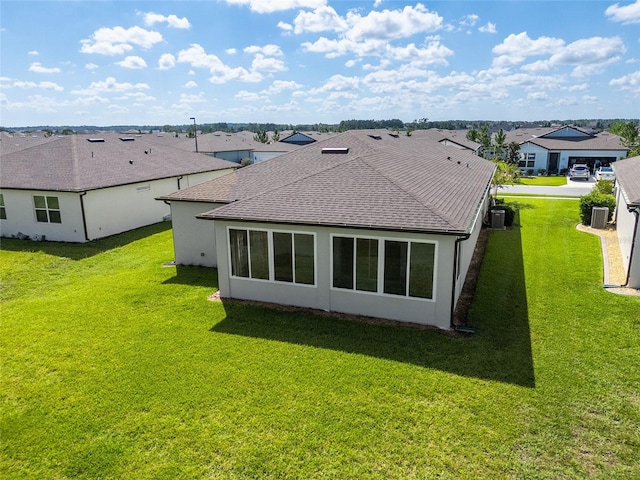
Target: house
(76, 188)
(627, 216)
(555, 150)
(452, 138)
(366, 222)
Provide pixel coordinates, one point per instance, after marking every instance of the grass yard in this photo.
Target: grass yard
(544, 181)
(114, 366)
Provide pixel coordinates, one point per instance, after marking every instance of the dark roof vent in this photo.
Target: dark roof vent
(96, 140)
(127, 139)
(376, 137)
(335, 150)
(394, 135)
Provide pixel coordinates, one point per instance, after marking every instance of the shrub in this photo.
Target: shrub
(245, 162)
(509, 211)
(595, 199)
(530, 171)
(542, 171)
(605, 186)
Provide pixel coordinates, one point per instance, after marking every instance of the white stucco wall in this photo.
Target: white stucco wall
(21, 216)
(322, 296)
(194, 240)
(542, 155)
(627, 227)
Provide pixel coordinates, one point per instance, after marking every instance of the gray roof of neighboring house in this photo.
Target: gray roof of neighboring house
(73, 163)
(395, 183)
(600, 141)
(627, 173)
(456, 136)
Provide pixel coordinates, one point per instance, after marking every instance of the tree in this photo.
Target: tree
(505, 174)
(484, 139)
(499, 140)
(513, 153)
(473, 135)
(261, 136)
(276, 136)
(628, 133)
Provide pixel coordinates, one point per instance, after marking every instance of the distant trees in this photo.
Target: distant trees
(369, 124)
(261, 136)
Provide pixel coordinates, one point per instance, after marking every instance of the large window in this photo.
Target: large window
(392, 267)
(3, 211)
(47, 209)
(292, 258)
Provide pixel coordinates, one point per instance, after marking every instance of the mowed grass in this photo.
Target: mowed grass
(544, 181)
(114, 366)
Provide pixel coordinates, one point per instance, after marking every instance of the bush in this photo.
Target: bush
(509, 211)
(605, 186)
(245, 162)
(530, 171)
(595, 199)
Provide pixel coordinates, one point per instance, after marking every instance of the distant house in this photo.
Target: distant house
(298, 138)
(78, 188)
(451, 138)
(628, 216)
(558, 149)
(366, 223)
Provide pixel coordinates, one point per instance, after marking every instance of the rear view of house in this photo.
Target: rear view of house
(367, 223)
(628, 216)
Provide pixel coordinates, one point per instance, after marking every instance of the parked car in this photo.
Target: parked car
(579, 171)
(605, 173)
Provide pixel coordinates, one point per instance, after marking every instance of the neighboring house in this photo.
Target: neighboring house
(558, 149)
(627, 216)
(450, 138)
(78, 188)
(367, 222)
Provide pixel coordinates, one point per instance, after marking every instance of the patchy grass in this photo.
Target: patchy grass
(544, 181)
(114, 366)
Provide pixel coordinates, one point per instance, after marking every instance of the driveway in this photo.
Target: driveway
(573, 188)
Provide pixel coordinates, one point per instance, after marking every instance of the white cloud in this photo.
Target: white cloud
(338, 83)
(280, 85)
(516, 48)
(628, 82)
(392, 24)
(37, 67)
(173, 21)
(110, 85)
(538, 96)
(21, 84)
(270, 6)
(488, 28)
(579, 88)
(270, 50)
(434, 53)
(248, 96)
(34, 53)
(166, 61)
(91, 66)
(626, 14)
(190, 84)
(264, 64)
(323, 19)
(133, 62)
(287, 27)
(539, 66)
(589, 55)
(196, 56)
(469, 20)
(230, 51)
(117, 40)
(51, 86)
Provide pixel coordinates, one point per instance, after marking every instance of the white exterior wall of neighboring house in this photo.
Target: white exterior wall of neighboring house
(194, 240)
(323, 296)
(234, 155)
(566, 154)
(21, 216)
(262, 156)
(539, 161)
(628, 229)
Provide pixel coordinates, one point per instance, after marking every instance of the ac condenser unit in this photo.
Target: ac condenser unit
(599, 217)
(497, 219)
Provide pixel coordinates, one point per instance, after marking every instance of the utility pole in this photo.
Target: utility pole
(195, 131)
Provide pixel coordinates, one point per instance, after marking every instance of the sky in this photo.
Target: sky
(131, 62)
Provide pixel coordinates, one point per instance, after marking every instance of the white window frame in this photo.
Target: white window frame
(47, 209)
(270, 246)
(381, 258)
(3, 208)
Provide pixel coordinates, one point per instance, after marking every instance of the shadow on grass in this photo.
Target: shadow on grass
(499, 351)
(78, 251)
(194, 276)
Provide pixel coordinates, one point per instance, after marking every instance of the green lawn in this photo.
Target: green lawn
(544, 181)
(114, 366)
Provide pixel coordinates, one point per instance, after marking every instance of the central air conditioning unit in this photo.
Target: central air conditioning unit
(497, 219)
(599, 217)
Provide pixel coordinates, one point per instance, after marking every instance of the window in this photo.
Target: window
(522, 164)
(292, 259)
(47, 209)
(531, 163)
(392, 267)
(531, 156)
(3, 211)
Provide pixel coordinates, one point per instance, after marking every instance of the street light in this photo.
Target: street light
(195, 131)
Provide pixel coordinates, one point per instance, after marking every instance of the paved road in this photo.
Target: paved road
(574, 188)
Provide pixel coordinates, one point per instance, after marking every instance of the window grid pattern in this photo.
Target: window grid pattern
(47, 209)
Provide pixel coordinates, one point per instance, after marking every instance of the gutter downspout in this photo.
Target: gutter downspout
(636, 211)
(84, 217)
(180, 178)
(458, 241)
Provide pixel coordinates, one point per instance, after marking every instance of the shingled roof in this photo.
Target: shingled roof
(379, 180)
(78, 163)
(628, 176)
(600, 141)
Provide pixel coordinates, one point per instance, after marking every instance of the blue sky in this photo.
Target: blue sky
(308, 61)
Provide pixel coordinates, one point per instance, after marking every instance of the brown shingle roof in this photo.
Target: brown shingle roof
(72, 163)
(628, 175)
(402, 183)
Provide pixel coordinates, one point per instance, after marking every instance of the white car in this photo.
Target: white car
(605, 173)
